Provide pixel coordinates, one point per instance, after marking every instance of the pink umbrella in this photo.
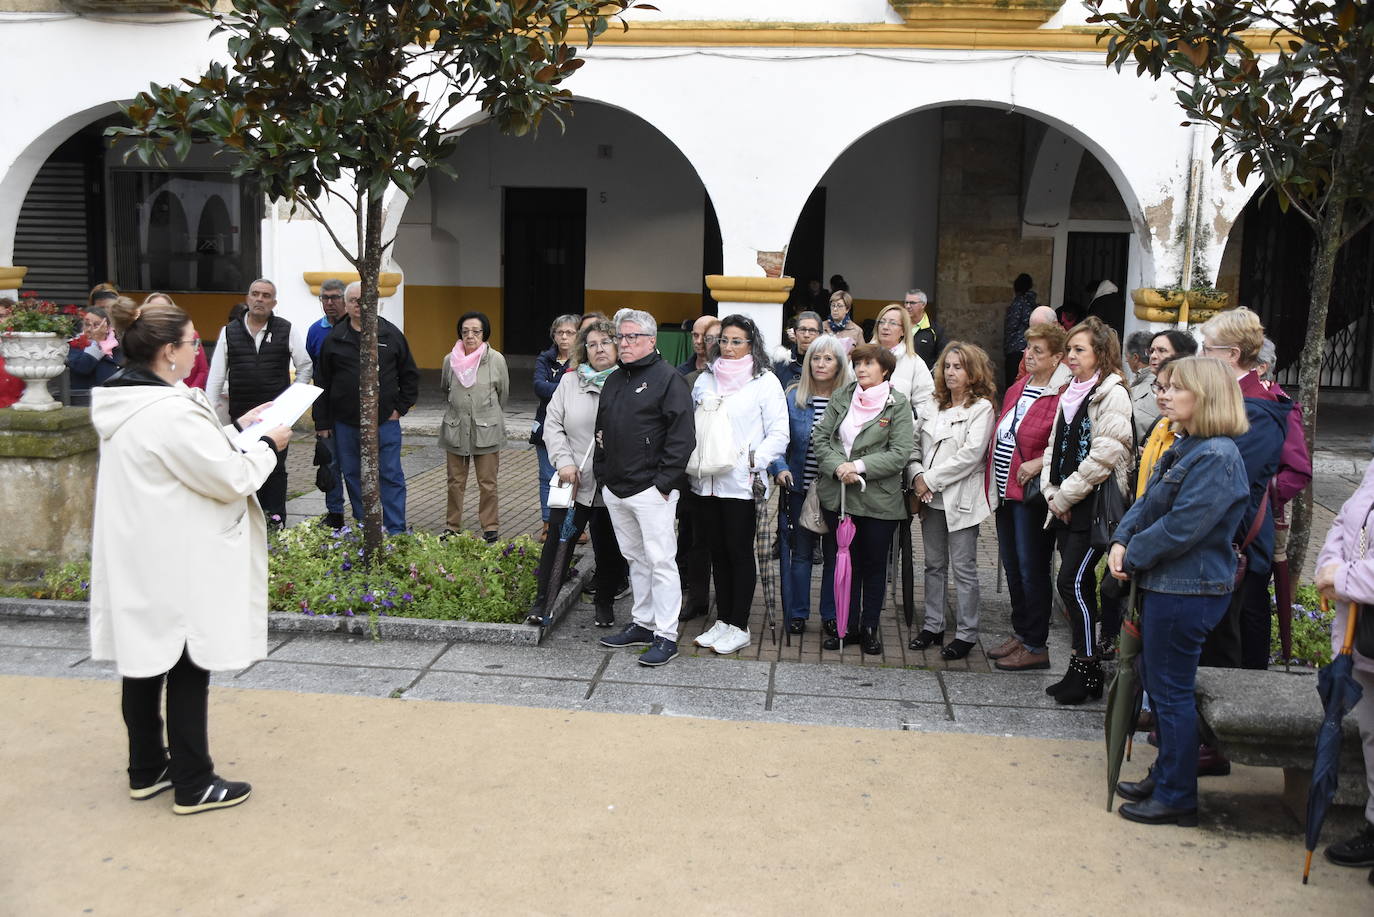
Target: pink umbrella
(844, 569)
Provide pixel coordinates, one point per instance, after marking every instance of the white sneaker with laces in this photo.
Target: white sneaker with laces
(732, 641)
(708, 639)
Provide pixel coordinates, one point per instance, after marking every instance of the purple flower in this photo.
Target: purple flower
(407, 597)
(387, 603)
(346, 566)
(333, 597)
(369, 598)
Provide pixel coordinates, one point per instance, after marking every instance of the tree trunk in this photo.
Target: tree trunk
(368, 385)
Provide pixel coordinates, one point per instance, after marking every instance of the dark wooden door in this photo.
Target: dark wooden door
(1092, 258)
(545, 262)
(806, 253)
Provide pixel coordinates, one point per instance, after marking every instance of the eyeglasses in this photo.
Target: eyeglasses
(1157, 388)
(1209, 347)
(194, 342)
(808, 330)
(331, 297)
(735, 342)
(888, 323)
(564, 333)
(631, 337)
(471, 332)
(603, 344)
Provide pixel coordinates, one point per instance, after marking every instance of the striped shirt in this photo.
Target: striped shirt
(812, 468)
(1004, 443)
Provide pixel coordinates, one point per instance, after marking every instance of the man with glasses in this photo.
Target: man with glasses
(332, 304)
(806, 327)
(255, 356)
(702, 339)
(645, 433)
(927, 336)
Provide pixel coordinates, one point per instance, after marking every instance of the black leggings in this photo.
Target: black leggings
(729, 524)
(188, 691)
(1077, 585)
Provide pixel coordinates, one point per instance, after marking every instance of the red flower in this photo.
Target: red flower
(81, 342)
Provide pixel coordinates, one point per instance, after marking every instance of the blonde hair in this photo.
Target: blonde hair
(982, 383)
(147, 300)
(1219, 408)
(906, 325)
(1239, 328)
(826, 343)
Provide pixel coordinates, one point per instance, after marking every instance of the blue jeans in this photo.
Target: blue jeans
(390, 476)
(546, 471)
(334, 496)
(1026, 550)
(1174, 629)
(797, 573)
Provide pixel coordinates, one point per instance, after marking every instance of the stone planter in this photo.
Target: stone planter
(36, 358)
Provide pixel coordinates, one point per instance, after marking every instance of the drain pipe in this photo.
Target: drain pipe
(1193, 209)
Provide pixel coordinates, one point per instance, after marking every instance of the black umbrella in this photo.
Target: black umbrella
(1123, 696)
(908, 572)
(1340, 693)
(558, 570)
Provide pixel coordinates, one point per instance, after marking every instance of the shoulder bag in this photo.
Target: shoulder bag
(811, 518)
(715, 452)
(1242, 564)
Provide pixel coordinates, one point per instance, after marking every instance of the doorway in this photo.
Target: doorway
(806, 255)
(545, 257)
(1093, 257)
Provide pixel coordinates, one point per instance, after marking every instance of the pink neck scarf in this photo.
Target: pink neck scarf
(465, 365)
(865, 405)
(108, 345)
(731, 375)
(1075, 395)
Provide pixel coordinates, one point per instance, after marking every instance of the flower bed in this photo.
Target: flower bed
(1311, 632)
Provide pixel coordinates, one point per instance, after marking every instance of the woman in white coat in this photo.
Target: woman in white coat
(179, 555)
(911, 377)
(739, 378)
(949, 476)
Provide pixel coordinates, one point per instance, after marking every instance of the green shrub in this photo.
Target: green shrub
(1311, 631)
(70, 582)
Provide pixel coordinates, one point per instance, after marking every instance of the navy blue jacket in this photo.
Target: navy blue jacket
(548, 372)
(1261, 449)
(1178, 535)
(799, 424)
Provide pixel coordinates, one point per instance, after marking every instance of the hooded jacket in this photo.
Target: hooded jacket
(179, 551)
(1260, 449)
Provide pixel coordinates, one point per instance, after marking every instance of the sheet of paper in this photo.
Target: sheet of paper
(285, 411)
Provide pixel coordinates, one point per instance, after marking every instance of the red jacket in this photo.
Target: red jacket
(1295, 462)
(1032, 437)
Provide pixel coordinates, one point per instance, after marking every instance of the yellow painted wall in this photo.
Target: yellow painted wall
(209, 311)
(666, 308)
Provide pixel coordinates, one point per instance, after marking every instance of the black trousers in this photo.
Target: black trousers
(868, 555)
(1241, 639)
(610, 564)
(272, 493)
(1077, 585)
(727, 524)
(693, 555)
(186, 754)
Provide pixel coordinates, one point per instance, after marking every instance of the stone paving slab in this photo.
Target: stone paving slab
(1027, 690)
(346, 650)
(687, 671)
(849, 711)
(501, 660)
(42, 660)
(672, 700)
(844, 681)
(38, 632)
(1063, 723)
(465, 687)
(314, 678)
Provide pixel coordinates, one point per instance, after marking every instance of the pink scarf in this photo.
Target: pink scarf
(108, 345)
(731, 375)
(863, 407)
(1075, 395)
(465, 365)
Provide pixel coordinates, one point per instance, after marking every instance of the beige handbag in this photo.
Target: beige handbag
(811, 518)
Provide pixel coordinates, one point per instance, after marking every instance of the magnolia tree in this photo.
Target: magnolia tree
(332, 104)
(1287, 86)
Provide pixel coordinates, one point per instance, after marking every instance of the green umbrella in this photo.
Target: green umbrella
(1124, 695)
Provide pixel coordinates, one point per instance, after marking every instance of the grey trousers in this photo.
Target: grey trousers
(957, 552)
(1364, 718)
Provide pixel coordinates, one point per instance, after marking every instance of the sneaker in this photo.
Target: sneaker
(732, 641)
(220, 794)
(634, 635)
(709, 638)
(490, 537)
(662, 652)
(1023, 660)
(1354, 851)
(623, 589)
(149, 790)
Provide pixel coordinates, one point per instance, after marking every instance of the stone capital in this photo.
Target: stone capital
(749, 289)
(387, 282)
(12, 277)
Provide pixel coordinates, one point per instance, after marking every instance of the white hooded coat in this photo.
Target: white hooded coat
(179, 553)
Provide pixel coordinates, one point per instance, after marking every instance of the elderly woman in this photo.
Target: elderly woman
(911, 377)
(569, 426)
(825, 369)
(1014, 462)
(841, 323)
(947, 473)
(179, 554)
(739, 380)
(1090, 448)
(862, 443)
(549, 368)
(1175, 542)
(1345, 576)
(477, 385)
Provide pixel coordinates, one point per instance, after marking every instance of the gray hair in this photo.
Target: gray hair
(1138, 345)
(262, 280)
(1268, 355)
(355, 285)
(844, 373)
(919, 294)
(573, 320)
(802, 316)
(643, 319)
(333, 283)
(579, 354)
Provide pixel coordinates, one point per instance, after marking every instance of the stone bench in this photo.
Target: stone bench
(1270, 719)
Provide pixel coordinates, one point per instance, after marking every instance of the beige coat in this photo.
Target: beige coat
(1109, 423)
(952, 456)
(475, 421)
(568, 428)
(179, 554)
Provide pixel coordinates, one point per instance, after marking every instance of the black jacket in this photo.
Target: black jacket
(338, 372)
(929, 342)
(645, 431)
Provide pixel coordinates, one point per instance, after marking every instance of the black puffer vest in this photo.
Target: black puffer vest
(257, 375)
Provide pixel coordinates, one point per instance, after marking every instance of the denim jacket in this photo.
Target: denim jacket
(800, 420)
(1178, 536)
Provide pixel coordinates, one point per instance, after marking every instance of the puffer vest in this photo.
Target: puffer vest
(257, 375)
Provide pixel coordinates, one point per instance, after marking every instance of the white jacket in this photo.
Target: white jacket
(912, 378)
(568, 428)
(179, 553)
(758, 418)
(952, 456)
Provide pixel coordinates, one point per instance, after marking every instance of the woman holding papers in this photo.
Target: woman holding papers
(179, 555)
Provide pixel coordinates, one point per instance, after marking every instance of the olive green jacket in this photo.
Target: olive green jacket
(475, 421)
(884, 444)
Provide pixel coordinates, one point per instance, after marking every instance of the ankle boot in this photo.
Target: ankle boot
(832, 635)
(1086, 675)
(870, 638)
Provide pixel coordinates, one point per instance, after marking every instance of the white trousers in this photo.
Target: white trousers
(643, 524)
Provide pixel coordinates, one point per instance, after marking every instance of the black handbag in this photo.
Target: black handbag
(1364, 625)
(1109, 506)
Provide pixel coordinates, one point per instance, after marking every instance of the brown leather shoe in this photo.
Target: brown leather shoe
(1023, 660)
(1007, 648)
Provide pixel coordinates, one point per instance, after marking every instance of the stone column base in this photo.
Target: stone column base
(48, 463)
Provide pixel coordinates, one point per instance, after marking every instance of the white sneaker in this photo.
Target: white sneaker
(732, 641)
(717, 630)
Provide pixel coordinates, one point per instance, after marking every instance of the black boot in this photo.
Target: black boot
(832, 635)
(1086, 675)
(871, 639)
